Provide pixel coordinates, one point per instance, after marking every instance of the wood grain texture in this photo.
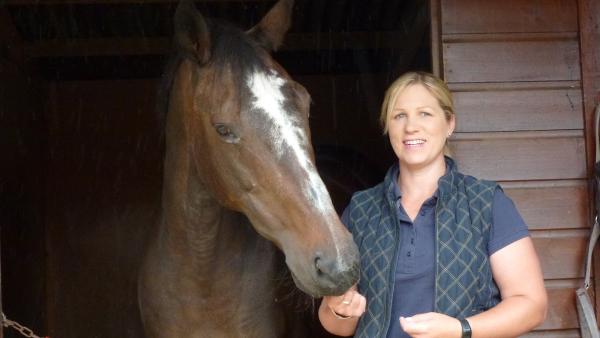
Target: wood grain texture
(514, 69)
(436, 38)
(590, 63)
(521, 156)
(512, 110)
(475, 16)
(104, 172)
(495, 61)
(22, 193)
(558, 204)
(162, 45)
(562, 312)
(589, 24)
(569, 333)
(561, 252)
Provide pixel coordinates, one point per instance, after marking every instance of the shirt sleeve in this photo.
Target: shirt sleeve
(507, 224)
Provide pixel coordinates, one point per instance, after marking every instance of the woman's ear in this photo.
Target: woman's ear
(451, 124)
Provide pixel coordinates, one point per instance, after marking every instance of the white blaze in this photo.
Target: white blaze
(286, 132)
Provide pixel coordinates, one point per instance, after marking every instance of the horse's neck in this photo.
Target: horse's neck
(191, 216)
(209, 243)
(195, 227)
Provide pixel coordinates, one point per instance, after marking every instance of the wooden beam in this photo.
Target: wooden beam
(97, 47)
(108, 2)
(475, 37)
(157, 46)
(436, 38)
(1, 309)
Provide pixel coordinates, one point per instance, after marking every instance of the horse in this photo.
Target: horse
(244, 211)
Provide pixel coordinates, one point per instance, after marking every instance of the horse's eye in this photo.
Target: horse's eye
(226, 134)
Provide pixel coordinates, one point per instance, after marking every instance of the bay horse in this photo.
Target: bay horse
(240, 187)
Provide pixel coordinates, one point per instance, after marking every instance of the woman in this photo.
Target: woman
(442, 254)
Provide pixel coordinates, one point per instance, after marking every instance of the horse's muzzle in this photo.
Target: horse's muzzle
(336, 274)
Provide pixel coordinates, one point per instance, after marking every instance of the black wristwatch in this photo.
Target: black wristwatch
(466, 328)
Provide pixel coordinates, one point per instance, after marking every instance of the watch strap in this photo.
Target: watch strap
(466, 328)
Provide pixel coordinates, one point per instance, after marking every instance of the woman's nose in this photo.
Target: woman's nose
(411, 124)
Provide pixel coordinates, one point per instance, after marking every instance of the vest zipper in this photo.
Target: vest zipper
(392, 277)
(436, 253)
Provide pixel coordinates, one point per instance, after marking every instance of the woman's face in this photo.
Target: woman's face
(418, 127)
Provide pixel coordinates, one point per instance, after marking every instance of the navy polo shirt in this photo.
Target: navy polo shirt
(415, 276)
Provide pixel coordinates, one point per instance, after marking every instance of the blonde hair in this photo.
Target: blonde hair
(432, 83)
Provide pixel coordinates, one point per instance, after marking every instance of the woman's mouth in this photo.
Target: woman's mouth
(413, 143)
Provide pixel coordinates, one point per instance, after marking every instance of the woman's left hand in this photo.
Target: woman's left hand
(431, 325)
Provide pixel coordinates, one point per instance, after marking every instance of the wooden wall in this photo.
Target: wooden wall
(514, 69)
(103, 188)
(22, 140)
(102, 165)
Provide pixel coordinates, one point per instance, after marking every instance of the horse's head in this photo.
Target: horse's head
(245, 122)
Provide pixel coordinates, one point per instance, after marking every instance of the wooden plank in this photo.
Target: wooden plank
(561, 252)
(511, 61)
(497, 86)
(521, 155)
(512, 110)
(475, 16)
(23, 140)
(1, 308)
(110, 2)
(558, 204)
(97, 47)
(103, 232)
(570, 333)
(158, 46)
(509, 37)
(436, 38)
(562, 312)
(590, 63)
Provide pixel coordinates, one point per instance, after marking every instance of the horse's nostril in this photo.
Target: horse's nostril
(334, 273)
(318, 264)
(326, 267)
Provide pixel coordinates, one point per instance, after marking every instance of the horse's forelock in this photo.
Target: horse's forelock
(232, 50)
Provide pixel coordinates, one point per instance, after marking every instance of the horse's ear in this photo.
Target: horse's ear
(270, 31)
(192, 36)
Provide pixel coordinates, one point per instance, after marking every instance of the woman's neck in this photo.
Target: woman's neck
(422, 181)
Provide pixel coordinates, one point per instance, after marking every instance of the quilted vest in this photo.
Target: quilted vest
(463, 280)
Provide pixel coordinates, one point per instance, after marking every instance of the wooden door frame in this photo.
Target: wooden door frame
(435, 16)
(1, 310)
(589, 35)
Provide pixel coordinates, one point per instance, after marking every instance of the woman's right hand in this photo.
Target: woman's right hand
(349, 304)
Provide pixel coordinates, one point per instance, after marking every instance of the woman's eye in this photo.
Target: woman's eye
(425, 113)
(399, 116)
